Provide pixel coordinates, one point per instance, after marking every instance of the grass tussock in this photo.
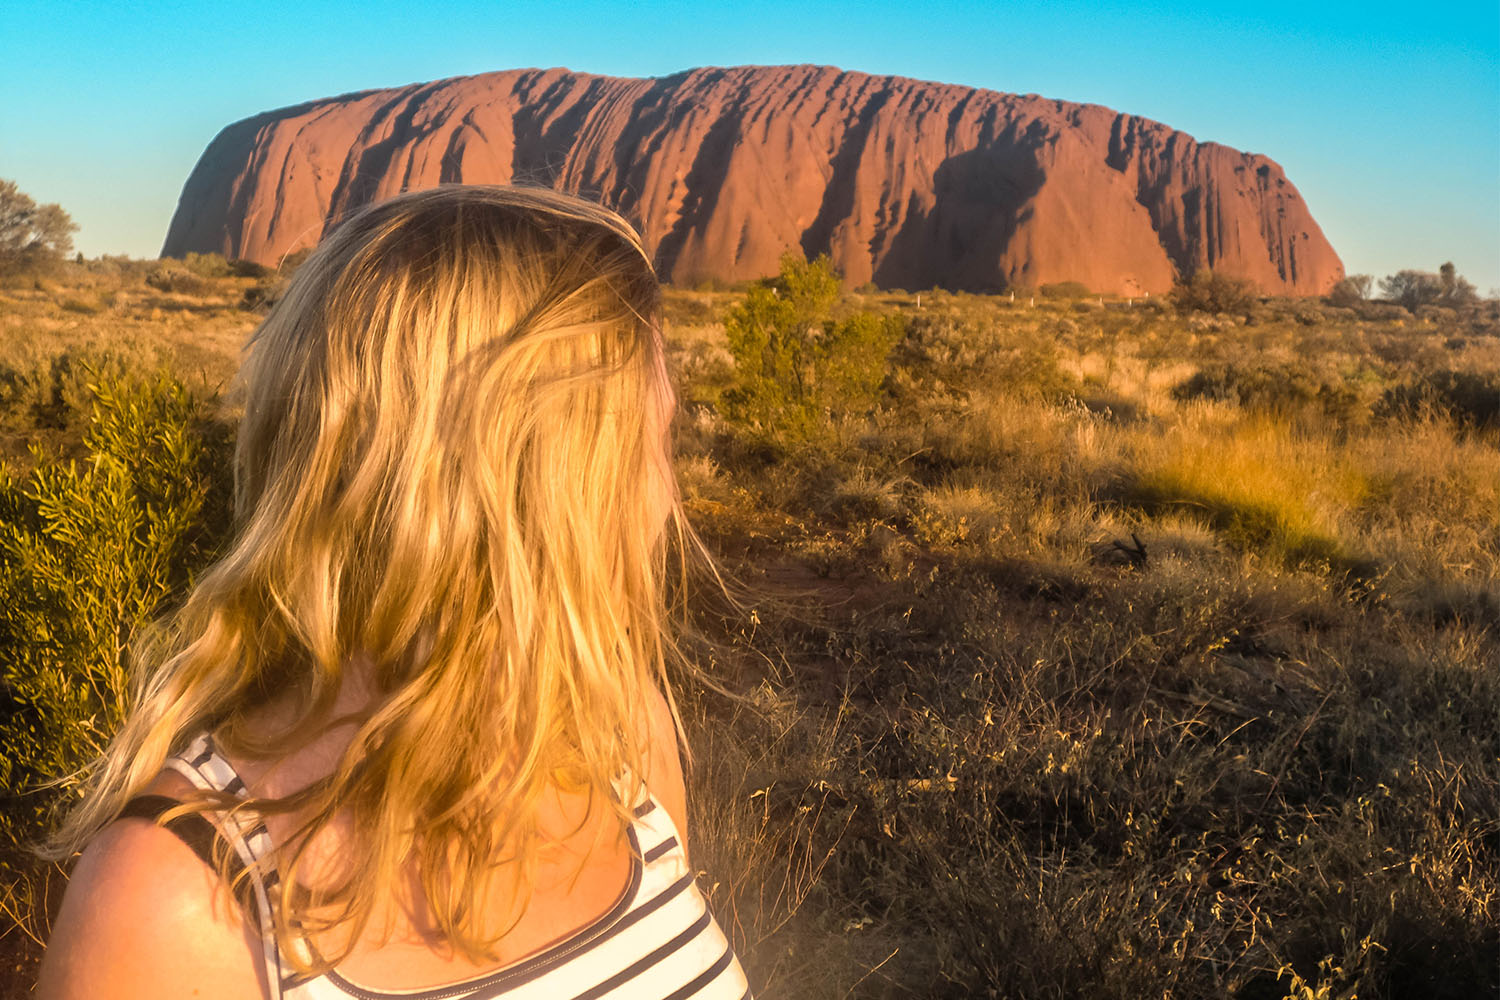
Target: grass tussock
(1262, 486)
(1096, 648)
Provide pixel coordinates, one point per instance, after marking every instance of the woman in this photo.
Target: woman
(409, 736)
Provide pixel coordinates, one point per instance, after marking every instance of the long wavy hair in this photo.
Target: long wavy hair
(453, 465)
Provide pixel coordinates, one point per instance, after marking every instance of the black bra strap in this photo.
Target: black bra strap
(194, 830)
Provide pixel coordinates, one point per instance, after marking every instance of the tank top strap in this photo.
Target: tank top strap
(657, 840)
(206, 769)
(661, 925)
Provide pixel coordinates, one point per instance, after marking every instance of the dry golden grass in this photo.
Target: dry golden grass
(1142, 695)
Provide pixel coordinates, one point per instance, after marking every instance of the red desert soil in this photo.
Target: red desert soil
(907, 184)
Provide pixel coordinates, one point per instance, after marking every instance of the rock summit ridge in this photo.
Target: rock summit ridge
(905, 183)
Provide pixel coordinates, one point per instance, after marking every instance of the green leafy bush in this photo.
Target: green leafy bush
(53, 397)
(89, 552)
(796, 367)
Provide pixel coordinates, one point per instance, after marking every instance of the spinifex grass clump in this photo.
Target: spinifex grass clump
(1262, 486)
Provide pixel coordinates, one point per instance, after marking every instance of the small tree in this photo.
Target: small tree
(1412, 288)
(31, 235)
(1455, 289)
(795, 366)
(1351, 291)
(1210, 292)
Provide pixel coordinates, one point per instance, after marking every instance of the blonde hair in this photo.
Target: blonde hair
(445, 466)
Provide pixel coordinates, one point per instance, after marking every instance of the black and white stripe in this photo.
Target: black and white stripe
(658, 942)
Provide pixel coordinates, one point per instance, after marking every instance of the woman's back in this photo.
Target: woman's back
(636, 923)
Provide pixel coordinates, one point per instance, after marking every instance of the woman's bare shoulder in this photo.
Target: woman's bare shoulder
(143, 916)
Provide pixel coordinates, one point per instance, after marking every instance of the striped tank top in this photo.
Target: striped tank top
(658, 942)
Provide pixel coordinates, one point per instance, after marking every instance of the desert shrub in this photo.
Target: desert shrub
(262, 295)
(76, 304)
(968, 354)
(241, 268)
(1112, 406)
(119, 269)
(1350, 291)
(1411, 288)
(289, 263)
(1471, 398)
(1436, 314)
(88, 553)
(1250, 386)
(1309, 313)
(864, 494)
(56, 393)
(796, 368)
(206, 265)
(1248, 522)
(216, 265)
(953, 514)
(1210, 292)
(173, 277)
(1064, 290)
(1270, 388)
(690, 310)
(1381, 311)
(1414, 289)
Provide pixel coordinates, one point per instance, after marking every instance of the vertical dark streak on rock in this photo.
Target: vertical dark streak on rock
(838, 197)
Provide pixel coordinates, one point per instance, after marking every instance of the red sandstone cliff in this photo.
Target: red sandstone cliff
(907, 184)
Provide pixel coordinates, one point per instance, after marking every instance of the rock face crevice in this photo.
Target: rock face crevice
(905, 183)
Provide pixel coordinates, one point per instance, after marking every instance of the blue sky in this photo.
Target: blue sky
(1385, 116)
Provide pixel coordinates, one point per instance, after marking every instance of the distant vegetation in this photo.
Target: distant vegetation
(1418, 288)
(1102, 648)
(1215, 293)
(32, 236)
(1064, 290)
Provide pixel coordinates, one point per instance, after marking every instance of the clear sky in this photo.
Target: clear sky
(1386, 116)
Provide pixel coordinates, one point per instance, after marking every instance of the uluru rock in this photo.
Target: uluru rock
(906, 184)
